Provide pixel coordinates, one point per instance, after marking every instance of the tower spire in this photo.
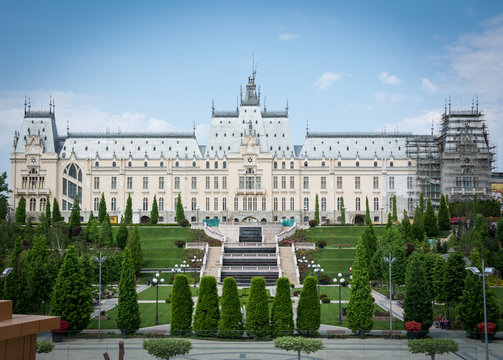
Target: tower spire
(449, 104)
(25, 103)
(194, 127)
(307, 128)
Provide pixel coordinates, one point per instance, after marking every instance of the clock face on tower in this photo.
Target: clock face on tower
(250, 159)
(33, 160)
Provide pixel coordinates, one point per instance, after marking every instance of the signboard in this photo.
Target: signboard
(113, 219)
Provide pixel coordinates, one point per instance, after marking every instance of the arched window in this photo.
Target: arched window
(236, 204)
(283, 165)
(254, 204)
(275, 165)
(250, 204)
(129, 164)
(390, 203)
(161, 204)
(114, 164)
(391, 164)
(96, 204)
(410, 204)
(339, 164)
(97, 164)
(145, 204)
(375, 163)
(193, 164)
(275, 204)
(216, 164)
(224, 165)
(306, 204)
(113, 204)
(357, 164)
(323, 204)
(42, 204)
(291, 164)
(305, 163)
(72, 183)
(207, 164)
(339, 204)
(376, 204)
(193, 204)
(357, 204)
(72, 172)
(292, 204)
(207, 204)
(224, 204)
(145, 164)
(33, 204)
(409, 163)
(322, 164)
(177, 164)
(245, 207)
(162, 163)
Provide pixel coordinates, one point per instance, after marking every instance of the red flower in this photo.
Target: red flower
(63, 326)
(412, 326)
(491, 328)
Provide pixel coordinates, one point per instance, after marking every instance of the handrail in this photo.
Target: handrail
(205, 259)
(249, 255)
(294, 255)
(249, 268)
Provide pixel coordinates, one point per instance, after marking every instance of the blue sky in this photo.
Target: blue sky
(342, 65)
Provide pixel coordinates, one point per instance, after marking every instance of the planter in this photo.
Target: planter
(362, 334)
(57, 337)
(412, 335)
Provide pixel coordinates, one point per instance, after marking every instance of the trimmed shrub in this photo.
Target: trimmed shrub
(128, 318)
(184, 223)
(207, 312)
(257, 309)
(44, 347)
(180, 243)
(432, 347)
(282, 313)
(321, 243)
(325, 300)
(181, 306)
(231, 318)
(298, 344)
(166, 348)
(308, 309)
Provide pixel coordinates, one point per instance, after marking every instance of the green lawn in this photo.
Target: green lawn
(499, 296)
(147, 315)
(330, 316)
(341, 234)
(336, 261)
(333, 292)
(164, 292)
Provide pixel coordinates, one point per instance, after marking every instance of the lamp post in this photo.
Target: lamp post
(390, 261)
(487, 271)
(343, 218)
(197, 213)
(311, 266)
(318, 269)
(195, 260)
(382, 209)
(340, 280)
(156, 281)
(100, 260)
(305, 211)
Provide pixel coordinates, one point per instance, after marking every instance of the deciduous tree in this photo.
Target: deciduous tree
(298, 344)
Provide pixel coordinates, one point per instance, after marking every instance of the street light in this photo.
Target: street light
(197, 213)
(390, 261)
(318, 269)
(100, 260)
(487, 271)
(382, 209)
(195, 260)
(341, 281)
(6, 272)
(156, 282)
(311, 266)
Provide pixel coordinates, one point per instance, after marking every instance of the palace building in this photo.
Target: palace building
(249, 170)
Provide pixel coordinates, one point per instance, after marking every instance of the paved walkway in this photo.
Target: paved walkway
(383, 302)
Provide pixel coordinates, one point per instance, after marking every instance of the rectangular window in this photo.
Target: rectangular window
(292, 182)
(258, 182)
(215, 204)
(194, 183)
(224, 183)
(357, 182)
(306, 182)
(177, 183)
(241, 182)
(339, 182)
(409, 182)
(224, 204)
(283, 182)
(129, 183)
(236, 204)
(161, 183)
(145, 183)
(207, 182)
(64, 186)
(275, 182)
(207, 204)
(114, 183)
(25, 181)
(96, 183)
(292, 204)
(323, 183)
(264, 204)
(376, 183)
(41, 183)
(215, 182)
(250, 183)
(392, 183)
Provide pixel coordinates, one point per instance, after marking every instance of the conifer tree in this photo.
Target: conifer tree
(181, 306)
(421, 203)
(395, 211)
(418, 226)
(369, 241)
(75, 214)
(122, 235)
(128, 213)
(93, 231)
(317, 211)
(15, 288)
(154, 213)
(128, 311)
(417, 302)
(102, 210)
(39, 277)
(361, 305)
(207, 313)
(21, 211)
(257, 309)
(430, 220)
(56, 214)
(444, 222)
(406, 227)
(439, 279)
(231, 319)
(368, 221)
(282, 313)
(48, 210)
(454, 271)
(389, 223)
(180, 214)
(28, 231)
(106, 235)
(308, 309)
(134, 245)
(91, 217)
(72, 298)
(343, 212)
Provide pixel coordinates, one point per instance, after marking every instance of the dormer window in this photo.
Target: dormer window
(97, 164)
(375, 163)
(339, 164)
(114, 164)
(357, 164)
(224, 165)
(162, 164)
(305, 163)
(129, 164)
(193, 164)
(391, 164)
(208, 164)
(177, 164)
(145, 164)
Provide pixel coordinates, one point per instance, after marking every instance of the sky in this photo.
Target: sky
(342, 65)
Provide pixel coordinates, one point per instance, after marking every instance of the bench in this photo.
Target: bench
(391, 333)
(336, 333)
(340, 245)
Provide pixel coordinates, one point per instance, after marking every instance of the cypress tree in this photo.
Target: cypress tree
(207, 313)
(4, 207)
(417, 302)
(105, 234)
(72, 298)
(134, 245)
(438, 279)
(430, 220)
(91, 217)
(389, 223)
(454, 271)
(395, 211)
(369, 241)
(56, 214)
(93, 231)
(475, 206)
(75, 215)
(368, 221)
(343, 212)
(499, 232)
(128, 311)
(154, 213)
(418, 226)
(180, 214)
(309, 309)
(122, 235)
(406, 227)
(316, 210)
(444, 222)
(257, 309)
(15, 288)
(48, 210)
(421, 203)
(21, 210)
(28, 231)
(128, 213)
(102, 210)
(40, 279)
(282, 313)
(181, 306)
(231, 318)
(361, 305)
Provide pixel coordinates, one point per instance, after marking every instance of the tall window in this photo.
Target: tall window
(241, 182)
(306, 204)
(145, 204)
(161, 183)
(177, 183)
(392, 183)
(96, 204)
(194, 183)
(42, 204)
(207, 182)
(258, 182)
(113, 204)
(357, 182)
(193, 204)
(224, 182)
(292, 204)
(357, 204)
(338, 204)
(275, 164)
(410, 204)
(292, 182)
(145, 183)
(376, 204)
(215, 204)
(161, 204)
(114, 183)
(264, 204)
(129, 183)
(72, 182)
(390, 203)
(207, 204)
(275, 182)
(283, 204)
(96, 183)
(33, 204)
(224, 204)
(306, 182)
(250, 204)
(245, 207)
(323, 204)
(215, 182)
(339, 182)
(323, 183)
(275, 204)
(283, 182)
(376, 182)
(254, 204)
(409, 182)
(236, 204)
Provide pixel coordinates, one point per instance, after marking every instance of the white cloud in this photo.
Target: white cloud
(389, 79)
(419, 124)
(288, 36)
(428, 86)
(325, 80)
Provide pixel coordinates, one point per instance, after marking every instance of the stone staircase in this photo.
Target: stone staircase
(288, 265)
(213, 261)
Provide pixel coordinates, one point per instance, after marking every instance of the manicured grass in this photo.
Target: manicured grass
(341, 234)
(333, 292)
(158, 246)
(164, 291)
(336, 261)
(498, 291)
(330, 316)
(147, 315)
